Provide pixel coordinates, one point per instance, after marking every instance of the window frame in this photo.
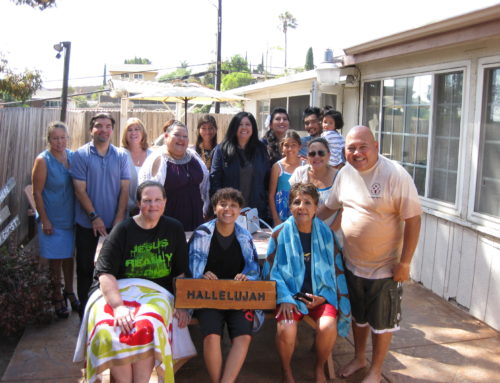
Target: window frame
(455, 209)
(483, 219)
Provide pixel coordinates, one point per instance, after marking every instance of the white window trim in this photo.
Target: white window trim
(480, 218)
(444, 209)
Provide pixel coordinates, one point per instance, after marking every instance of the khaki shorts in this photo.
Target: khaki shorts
(375, 302)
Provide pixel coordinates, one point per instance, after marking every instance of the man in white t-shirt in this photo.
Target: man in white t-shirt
(381, 226)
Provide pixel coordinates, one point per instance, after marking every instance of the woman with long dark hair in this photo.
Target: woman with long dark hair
(241, 161)
(206, 140)
(278, 126)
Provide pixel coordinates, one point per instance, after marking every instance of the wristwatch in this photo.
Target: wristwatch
(93, 216)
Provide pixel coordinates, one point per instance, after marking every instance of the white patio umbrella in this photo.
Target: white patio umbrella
(187, 93)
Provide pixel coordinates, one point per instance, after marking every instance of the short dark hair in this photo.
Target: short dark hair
(319, 140)
(101, 115)
(312, 110)
(146, 184)
(303, 188)
(336, 115)
(227, 194)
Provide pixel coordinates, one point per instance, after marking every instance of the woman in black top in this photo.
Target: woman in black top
(151, 247)
(241, 161)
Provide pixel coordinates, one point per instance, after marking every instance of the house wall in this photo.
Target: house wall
(458, 256)
(148, 76)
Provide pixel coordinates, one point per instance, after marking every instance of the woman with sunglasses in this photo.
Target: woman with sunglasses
(317, 171)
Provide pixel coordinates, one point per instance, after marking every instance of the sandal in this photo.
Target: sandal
(73, 301)
(60, 308)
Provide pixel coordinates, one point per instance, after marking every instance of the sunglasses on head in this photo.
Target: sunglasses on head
(320, 153)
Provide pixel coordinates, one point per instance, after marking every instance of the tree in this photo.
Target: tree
(19, 86)
(235, 64)
(40, 4)
(138, 60)
(235, 80)
(177, 74)
(287, 21)
(309, 60)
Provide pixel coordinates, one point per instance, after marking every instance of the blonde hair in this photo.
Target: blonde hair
(135, 121)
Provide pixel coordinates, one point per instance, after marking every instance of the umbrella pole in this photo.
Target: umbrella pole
(185, 111)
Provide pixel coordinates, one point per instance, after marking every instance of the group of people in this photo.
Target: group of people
(143, 201)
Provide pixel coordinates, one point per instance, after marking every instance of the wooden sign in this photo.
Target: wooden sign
(13, 224)
(4, 214)
(5, 190)
(224, 294)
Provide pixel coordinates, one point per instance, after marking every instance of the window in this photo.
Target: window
(296, 106)
(446, 136)
(262, 113)
(328, 100)
(138, 76)
(124, 76)
(488, 178)
(427, 149)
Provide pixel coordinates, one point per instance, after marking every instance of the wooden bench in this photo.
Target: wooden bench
(232, 295)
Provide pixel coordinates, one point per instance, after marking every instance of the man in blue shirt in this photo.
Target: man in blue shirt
(101, 176)
(312, 123)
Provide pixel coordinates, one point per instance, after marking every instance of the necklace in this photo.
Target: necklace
(178, 161)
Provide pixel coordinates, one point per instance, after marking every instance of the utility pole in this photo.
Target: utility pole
(218, 64)
(64, 96)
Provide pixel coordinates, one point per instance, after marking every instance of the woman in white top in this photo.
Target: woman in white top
(135, 143)
(317, 171)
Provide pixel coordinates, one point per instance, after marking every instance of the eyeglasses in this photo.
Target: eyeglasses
(320, 153)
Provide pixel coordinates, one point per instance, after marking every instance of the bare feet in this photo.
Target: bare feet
(287, 376)
(351, 367)
(319, 373)
(372, 377)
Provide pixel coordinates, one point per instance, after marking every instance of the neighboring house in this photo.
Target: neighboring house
(49, 98)
(431, 95)
(142, 72)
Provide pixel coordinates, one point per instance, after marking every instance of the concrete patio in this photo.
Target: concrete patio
(438, 342)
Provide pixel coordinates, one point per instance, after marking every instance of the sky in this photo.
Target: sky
(167, 32)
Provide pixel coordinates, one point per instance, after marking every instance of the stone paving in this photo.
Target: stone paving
(438, 342)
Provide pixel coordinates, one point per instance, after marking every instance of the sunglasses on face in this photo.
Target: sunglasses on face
(320, 153)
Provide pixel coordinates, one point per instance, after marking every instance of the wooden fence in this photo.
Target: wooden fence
(23, 136)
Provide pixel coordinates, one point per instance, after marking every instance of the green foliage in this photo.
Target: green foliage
(40, 4)
(24, 291)
(235, 64)
(309, 60)
(202, 109)
(81, 101)
(287, 20)
(19, 86)
(137, 60)
(235, 80)
(209, 78)
(177, 74)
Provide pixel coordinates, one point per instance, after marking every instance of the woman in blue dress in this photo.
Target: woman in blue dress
(54, 201)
